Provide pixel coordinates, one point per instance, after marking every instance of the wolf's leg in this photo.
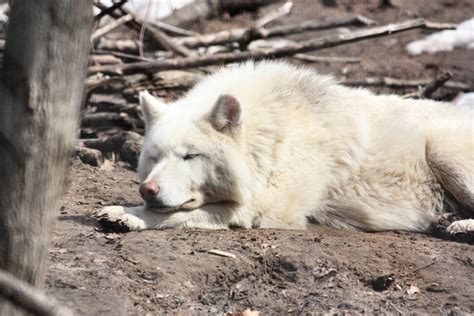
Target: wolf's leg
(121, 218)
(451, 158)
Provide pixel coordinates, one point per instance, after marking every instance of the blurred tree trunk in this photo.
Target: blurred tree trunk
(41, 88)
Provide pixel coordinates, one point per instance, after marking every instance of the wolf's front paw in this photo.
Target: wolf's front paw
(116, 219)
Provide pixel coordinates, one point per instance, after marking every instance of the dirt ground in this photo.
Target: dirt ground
(318, 271)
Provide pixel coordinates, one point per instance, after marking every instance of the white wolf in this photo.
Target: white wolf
(272, 145)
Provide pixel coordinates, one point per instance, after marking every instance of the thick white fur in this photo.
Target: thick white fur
(304, 147)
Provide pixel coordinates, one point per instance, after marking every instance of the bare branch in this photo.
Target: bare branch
(110, 27)
(327, 59)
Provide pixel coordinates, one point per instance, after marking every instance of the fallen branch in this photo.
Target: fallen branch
(124, 55)
(305, 46)
(274, 14)
(173, 29)
(110, 27)
(327, 59)
(440, 26)
(104, 59)
(122, 45)
(243, 34)
(221, 253)
(29, 298)
(439, 81)
(404, 84)
(167, 42)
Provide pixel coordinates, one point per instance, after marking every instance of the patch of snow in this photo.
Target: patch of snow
(462, 36)
(465, 99)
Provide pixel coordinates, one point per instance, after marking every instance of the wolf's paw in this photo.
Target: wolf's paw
(461, 227)
(116, 219)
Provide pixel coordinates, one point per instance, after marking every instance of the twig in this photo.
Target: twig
(104, 59)
(161, 38)
(122, 45)
(174, 29)
(327, 59)
(439, 81)
(123, 55)
(404, 84)
(306, 46)
(107, 10)
(29, 298)
(274, 14)
(240, 34)
(440, 26)
(168, 43)
(110, 27)
(221, 253)
(424, 266)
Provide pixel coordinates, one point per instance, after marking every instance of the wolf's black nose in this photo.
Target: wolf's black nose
(149, 189)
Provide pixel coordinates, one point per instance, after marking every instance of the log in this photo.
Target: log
(244, 34)
(305, 46)
(41, 90)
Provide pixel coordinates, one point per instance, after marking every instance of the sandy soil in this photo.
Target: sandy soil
(320, 270)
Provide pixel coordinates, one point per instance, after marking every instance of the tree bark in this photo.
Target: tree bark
(41, 88)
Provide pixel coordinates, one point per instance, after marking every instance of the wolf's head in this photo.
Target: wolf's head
(190, 159)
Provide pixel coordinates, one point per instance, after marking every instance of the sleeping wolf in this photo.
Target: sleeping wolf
(275, 146)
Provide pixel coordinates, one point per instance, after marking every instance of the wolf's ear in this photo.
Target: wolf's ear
(226, 114)
(152, 107)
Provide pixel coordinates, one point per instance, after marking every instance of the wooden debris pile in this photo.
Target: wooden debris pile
(130, 55)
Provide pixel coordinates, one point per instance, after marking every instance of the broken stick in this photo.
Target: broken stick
(110, 27)
(305, 46)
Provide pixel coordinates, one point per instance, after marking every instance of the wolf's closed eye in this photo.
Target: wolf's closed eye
(190, 156)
